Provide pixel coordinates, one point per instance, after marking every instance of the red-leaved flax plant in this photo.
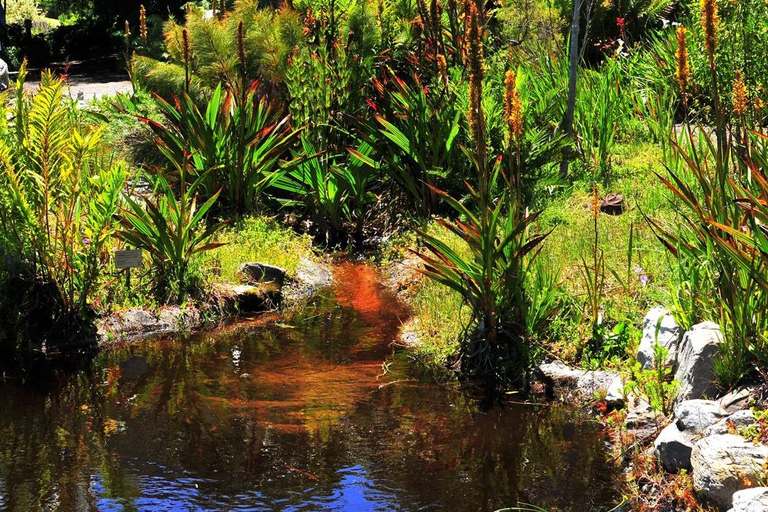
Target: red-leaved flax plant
(490, 275)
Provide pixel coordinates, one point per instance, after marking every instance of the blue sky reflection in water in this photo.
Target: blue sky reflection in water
(317, 413)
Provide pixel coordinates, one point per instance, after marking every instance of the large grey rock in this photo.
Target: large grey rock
(751, 500)
(724, 464)
(737, 420)
(694, 416)
(255, 272)
(668, 336)
(695, 359)
(673, 448)
(565, 382)
(4, 80)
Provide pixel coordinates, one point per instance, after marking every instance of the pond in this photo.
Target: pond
(312, 413)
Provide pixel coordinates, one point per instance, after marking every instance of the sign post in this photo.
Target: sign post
(126, 260)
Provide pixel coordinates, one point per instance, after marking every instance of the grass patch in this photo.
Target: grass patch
(255, 239)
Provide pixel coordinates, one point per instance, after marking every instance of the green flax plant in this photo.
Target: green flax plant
(417, 140)
(497, 348)
(61, 190)
(335, 189)
(172, 230)
(722, 202)
(600, 106)
(236, 143)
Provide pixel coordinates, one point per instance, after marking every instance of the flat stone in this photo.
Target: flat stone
(673, 448)
(659, 326)
(751, 500)
(248, 298)
(695, 416)
(696, 362)
(565, 381)
(725, 464)
(140, 323)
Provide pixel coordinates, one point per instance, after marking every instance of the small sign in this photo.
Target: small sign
(128, 259)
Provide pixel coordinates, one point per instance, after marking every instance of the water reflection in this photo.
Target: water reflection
(297, 417)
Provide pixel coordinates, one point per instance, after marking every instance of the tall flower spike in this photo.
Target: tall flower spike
(513, 108)
(187, 57)
(241, 47)
(739, 95)
(143, 23)
(710, 22)
(442, 67)
(683, 63)
(476, 74)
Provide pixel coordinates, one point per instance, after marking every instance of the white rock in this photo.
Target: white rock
(673, 448)
(751, 500)
(4, 79)
(724, 464)
(695, 416)
(668, 336)
(695, 359)
(565, 380)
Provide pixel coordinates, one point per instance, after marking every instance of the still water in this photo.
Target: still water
(312, 413)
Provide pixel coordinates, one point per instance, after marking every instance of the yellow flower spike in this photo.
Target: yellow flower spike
(740, 99)
(683, 74)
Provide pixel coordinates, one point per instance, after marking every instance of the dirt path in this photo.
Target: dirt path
(88, 87)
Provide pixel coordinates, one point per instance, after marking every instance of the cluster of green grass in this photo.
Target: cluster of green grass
(255, 239)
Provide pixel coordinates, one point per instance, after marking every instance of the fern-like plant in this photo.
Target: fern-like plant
(63, 191)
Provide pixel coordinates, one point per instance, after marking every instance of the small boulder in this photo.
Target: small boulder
(564, 381)
(641, 416)
(668, 336)
(673, 448)
(737, 399)
(4, 77)
(694, 416)
(724, 464)
(255, 272)
(696, 368)
(751, 500)
(739, 419)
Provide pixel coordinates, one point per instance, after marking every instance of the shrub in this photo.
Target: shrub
(62, 191)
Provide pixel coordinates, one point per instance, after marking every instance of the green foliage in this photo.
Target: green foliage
(655, 385)
(254, 239)
(172, 230)
(235, 144)
(491, 279)
(61, 191)
(417, 142)
(336, 190)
